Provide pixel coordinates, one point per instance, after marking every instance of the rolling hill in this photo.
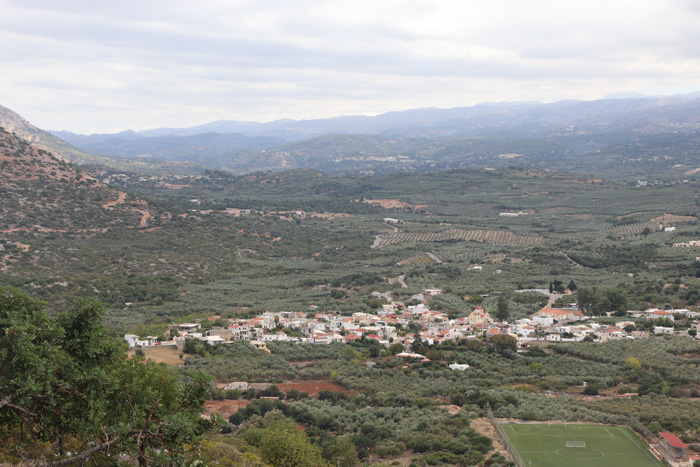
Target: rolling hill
(42, 193)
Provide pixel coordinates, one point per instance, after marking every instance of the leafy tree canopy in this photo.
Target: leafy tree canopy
(67, 384)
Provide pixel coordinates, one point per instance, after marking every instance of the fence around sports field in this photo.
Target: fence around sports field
(657, 448)
(514, 456)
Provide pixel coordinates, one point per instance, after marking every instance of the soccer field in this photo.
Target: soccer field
(539, 445)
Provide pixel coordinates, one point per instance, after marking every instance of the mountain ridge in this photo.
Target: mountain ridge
(395, 121)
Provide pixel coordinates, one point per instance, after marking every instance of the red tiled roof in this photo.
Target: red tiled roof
(673, 440)
(554, 311)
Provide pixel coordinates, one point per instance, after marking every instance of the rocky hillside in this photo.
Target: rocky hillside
(42, 193)
(14, 123)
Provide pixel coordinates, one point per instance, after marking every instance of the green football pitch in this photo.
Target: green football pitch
(539, 445)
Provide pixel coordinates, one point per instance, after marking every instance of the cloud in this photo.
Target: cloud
(105, 66)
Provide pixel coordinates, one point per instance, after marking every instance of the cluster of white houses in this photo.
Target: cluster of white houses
(433, 326)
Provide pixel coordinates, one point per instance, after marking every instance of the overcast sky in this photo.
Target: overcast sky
(103, 66)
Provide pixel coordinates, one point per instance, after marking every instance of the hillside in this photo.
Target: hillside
(14, 123)
(41, 192)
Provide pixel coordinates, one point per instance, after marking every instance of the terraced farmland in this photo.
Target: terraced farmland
(634, 229)
(495, 237)
(653, 225)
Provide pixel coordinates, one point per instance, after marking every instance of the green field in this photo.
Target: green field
(539, 445)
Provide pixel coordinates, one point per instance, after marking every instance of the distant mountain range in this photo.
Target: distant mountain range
(527, 118)
(622, 136)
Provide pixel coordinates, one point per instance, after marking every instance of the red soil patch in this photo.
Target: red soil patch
(314, 387)
(228, 406)
(225, 407)
(119, 200)
(168, 354)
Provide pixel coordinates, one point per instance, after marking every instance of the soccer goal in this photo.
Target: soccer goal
(556, 423)
(575, 444)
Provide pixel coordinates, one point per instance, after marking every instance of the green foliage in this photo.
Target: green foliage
(502, 309)
(65, 378)
(282, 443)
(503, 343)
(600, 301)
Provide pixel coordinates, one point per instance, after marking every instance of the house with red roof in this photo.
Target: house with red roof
(352, 338)
(561, 316)
(660, 314)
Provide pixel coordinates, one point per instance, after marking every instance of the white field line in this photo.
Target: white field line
(645, 451)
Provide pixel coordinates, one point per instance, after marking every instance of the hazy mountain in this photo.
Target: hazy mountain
(614, 137)
(524, 118)
(180, 148)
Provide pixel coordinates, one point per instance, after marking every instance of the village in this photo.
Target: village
(397, 323)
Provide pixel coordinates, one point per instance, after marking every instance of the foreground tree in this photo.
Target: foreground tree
(66, 384)
(282, 443)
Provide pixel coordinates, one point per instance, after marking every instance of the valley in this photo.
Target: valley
(340, 274)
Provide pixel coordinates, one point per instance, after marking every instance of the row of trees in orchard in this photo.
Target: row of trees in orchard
(70, 395)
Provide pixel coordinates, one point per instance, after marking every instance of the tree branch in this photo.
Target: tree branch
(83, 456)
(7, 402)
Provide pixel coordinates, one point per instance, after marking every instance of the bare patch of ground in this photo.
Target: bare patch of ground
(314, 387)
(145, 215)
(22, 246)
(225, 407)
(330, 215)
(404, 459)
(484, 428)
(394, 203)
(120, 200)
(167, 354)
(672, 219)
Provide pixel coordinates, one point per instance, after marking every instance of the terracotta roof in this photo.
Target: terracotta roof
(673, 440)
(554, 311)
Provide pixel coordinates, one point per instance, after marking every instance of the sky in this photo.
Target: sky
(92, 66)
